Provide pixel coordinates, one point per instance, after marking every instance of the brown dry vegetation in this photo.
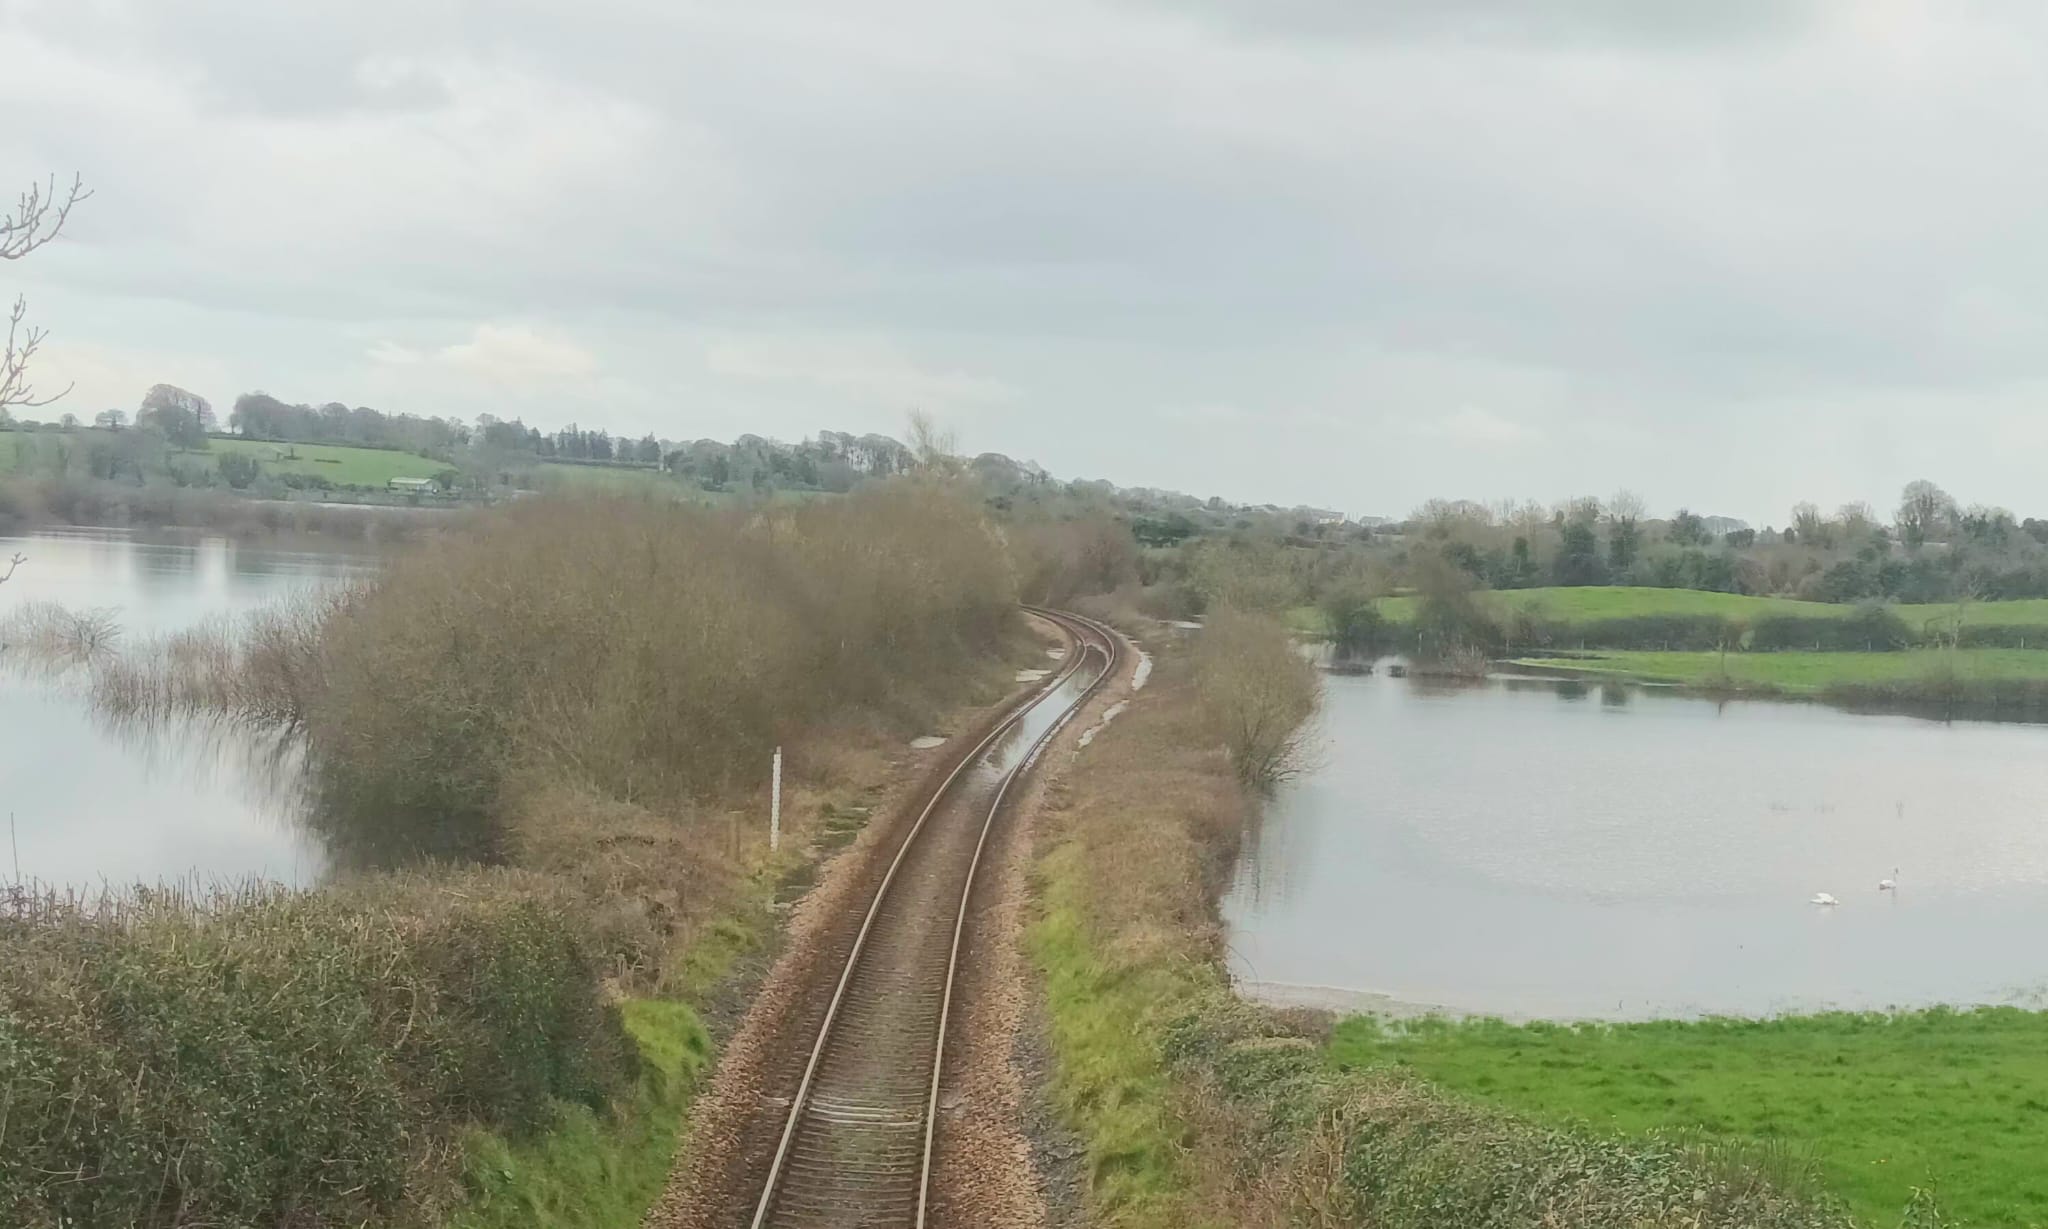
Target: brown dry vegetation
(1202, 1110)
(1258, 694)
(587, 690)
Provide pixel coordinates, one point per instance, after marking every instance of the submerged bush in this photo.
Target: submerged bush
(1257, 691)
(638, 651)
(266, 1057)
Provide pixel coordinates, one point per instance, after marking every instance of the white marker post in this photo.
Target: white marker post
(775, 804)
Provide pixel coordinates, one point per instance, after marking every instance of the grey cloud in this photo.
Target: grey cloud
(1558, 21)
(1621, 218)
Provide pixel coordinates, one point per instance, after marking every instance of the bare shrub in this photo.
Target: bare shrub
(1258, 691)
(640, 651)
(48, 639)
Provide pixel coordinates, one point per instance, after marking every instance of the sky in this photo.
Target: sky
(1349, 253)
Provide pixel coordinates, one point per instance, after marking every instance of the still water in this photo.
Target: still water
(92, 804)
(1528, 848)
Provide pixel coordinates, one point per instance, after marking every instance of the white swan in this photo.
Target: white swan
(1822, 898)
(1887, 885)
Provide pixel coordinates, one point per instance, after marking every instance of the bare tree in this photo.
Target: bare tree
(936, 450)
(1858, 519)
(1808, 523)
(1924, 511)
(39, 213)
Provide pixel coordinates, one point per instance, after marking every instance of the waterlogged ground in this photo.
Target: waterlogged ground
(1535, 849)
(91, 804)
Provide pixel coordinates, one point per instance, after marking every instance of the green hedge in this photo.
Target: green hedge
(268, 1058)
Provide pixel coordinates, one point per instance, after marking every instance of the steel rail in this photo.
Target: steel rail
(1080, 631)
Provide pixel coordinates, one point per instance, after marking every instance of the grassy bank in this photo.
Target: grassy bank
(2016, 678)
(29, 503)
(1576, 609)
(1943, 1100)
(1197, 1109)
(592, 1170)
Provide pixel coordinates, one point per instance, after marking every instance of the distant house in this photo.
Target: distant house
(413, 486)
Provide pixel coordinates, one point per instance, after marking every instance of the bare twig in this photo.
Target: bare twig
(38, 216)
(39, 213)
(12, 564)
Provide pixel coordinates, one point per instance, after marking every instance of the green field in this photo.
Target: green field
(1592, 603)
(1956, 1100)
(338, 463)
(620, 478)
(1804, 673)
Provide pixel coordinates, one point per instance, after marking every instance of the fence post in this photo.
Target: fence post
(775, 804)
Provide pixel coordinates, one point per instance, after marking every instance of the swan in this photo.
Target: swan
(1887, 885)
(1822, 898)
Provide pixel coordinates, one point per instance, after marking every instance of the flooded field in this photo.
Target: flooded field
(92, 804)
(1536, 848)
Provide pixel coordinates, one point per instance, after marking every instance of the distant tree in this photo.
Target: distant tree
(179, 415)
(69, 421)
(1993, 527)
(1925, 511)
(110, 420)
(238, 469)
(1582, 508)
(1449, 620)
(935, 449)
(1354, 621)
(1578, 555)
(1808, 523)
(1624, 530)
(1688, 528)
(1857, 520)
(1740, 538)
(1522, 563)
(38, 215)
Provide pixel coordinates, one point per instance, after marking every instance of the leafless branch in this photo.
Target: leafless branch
(12, 564)
(38, 215)
(22, 343)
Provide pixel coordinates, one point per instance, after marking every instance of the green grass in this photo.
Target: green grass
(1111, 1082)
(595, 1171)
(1886, 1103)
(619, 478)
(338, 463)
(1801, 672)
(628, 480)
(1595, 602)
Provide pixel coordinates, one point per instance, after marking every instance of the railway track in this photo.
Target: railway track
(856, 1146)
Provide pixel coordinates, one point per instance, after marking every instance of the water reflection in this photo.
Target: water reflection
(96, 801)
(1509, 846)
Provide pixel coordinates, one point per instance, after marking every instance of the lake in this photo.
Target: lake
(1541, 849)
(95, 805)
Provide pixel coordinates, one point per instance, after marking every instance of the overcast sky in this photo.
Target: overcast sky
(1353, 253)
